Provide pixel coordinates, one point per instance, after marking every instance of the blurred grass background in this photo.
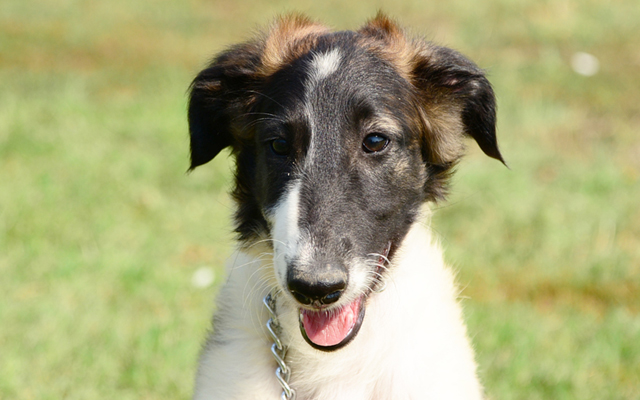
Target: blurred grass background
(101, 230)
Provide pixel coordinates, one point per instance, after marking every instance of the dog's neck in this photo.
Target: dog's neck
(278, 348)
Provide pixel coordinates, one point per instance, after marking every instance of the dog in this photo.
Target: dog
(341, 141)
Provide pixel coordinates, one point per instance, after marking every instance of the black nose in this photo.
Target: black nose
(317, 285)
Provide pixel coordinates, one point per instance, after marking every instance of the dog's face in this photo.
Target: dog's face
(339, 138)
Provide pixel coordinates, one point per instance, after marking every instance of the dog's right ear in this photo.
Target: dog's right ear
(219, 94)
(222, 94)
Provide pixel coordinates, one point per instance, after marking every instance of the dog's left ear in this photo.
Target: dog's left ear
(219, 95)
(454, 98)
(456, 95)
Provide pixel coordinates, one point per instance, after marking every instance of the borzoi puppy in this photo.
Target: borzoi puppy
(337, 291)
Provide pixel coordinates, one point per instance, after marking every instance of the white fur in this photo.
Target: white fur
(325, 64)
(412, 344)
(321, 66)
(286, 234)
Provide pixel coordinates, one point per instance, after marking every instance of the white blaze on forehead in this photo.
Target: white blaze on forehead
(324, 64)
(321, 66)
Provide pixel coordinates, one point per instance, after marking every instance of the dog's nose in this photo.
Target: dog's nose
(317, 286)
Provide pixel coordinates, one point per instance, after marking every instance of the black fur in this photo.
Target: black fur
(455, 76)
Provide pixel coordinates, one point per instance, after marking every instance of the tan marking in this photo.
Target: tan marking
(382, 123)
(441, 119)
(290, 37)
(390, 43)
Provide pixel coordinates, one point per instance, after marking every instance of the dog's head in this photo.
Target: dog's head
(339, 138)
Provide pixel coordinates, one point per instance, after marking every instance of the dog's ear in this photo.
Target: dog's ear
(453, 95)
(456, 96)
(222, 94)
(218, 95)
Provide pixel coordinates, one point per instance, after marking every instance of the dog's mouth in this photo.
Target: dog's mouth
(333, 329)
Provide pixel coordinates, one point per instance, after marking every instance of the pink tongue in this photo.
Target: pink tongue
(330, 328)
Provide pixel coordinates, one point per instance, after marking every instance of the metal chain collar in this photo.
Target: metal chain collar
(279, 351)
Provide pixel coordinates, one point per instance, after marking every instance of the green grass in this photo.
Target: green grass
(101, 230)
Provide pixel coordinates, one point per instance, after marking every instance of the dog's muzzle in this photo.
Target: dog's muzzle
(316, 288)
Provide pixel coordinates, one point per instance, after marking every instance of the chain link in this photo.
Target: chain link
(279, 351)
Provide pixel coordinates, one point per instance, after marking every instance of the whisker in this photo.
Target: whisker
(265, 96)
(236, 267)
(255, 316)
(256, 121)
(372, 263)
(379, 256)
(272, 116)
(250, 278)
(268, 240)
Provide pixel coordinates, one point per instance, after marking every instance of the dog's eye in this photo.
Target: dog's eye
(374, 143)
(280, 147)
